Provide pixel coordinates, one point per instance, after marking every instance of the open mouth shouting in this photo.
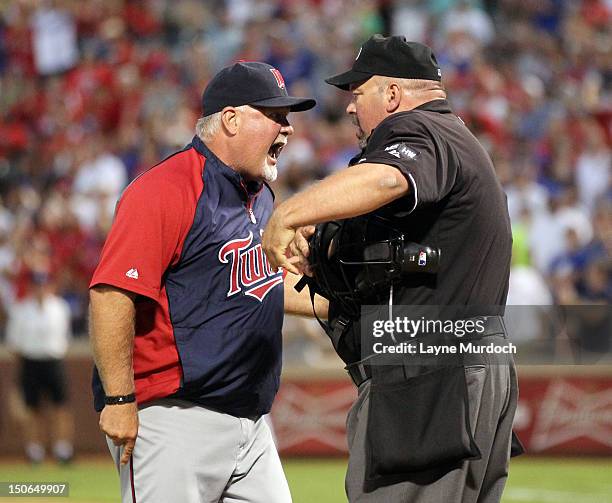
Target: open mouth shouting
(275, 150)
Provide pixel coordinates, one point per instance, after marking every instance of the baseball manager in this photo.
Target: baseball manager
(186, 312)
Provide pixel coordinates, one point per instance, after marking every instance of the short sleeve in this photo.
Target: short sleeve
(407, 144)
(144, 239)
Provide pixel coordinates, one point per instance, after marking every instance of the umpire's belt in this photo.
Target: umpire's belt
(361, 371)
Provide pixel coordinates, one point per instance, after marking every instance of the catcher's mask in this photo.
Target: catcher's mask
(357, 262)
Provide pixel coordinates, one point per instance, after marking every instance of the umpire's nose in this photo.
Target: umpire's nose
(351, 108)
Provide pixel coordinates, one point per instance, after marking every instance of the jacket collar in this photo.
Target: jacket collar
(251, 187)
(440, 106)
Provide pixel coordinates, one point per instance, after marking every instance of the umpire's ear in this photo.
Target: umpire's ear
(230, 119)
(393, 97)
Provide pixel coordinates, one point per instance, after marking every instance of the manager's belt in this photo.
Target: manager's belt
(361, 371)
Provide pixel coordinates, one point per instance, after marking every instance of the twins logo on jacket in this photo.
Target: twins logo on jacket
(250, 270)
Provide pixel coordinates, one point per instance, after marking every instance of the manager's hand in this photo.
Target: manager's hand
(120, 423)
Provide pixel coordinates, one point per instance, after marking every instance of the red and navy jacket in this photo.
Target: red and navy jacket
(209, 308)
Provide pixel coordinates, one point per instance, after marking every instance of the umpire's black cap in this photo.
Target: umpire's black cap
(250, 83)
(391, 57)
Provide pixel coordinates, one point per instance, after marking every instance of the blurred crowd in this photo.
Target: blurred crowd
(94, 92)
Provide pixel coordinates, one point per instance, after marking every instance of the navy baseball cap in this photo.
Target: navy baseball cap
(390, 57)
(250, 83)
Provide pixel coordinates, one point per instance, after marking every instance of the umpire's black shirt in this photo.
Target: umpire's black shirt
(455, 202)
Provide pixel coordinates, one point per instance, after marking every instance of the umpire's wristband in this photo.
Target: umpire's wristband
(120, 399)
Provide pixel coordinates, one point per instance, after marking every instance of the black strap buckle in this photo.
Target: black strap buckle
(360, 371)
(336, 330)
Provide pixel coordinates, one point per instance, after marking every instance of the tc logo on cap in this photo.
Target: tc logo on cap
(279, 78)
(358, 54)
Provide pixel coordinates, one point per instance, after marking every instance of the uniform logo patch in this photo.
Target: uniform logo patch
(132, 273)
(279, 77)
(249, 268)
(401, 151)
(422, 258)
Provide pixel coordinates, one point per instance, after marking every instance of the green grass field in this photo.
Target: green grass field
(532, 480)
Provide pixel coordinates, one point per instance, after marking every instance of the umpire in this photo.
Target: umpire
(424, 174)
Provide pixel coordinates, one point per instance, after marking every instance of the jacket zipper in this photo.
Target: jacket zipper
(249, 205)
(250, 210)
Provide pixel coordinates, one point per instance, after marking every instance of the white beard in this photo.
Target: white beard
(269, 173)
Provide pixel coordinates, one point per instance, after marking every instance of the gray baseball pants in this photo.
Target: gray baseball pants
(493, 395)
(191, 454)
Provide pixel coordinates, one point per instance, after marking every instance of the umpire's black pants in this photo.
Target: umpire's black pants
(493, 396)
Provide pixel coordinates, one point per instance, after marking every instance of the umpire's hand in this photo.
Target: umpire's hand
(275, 242)
(120, 423)
(300, 248)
